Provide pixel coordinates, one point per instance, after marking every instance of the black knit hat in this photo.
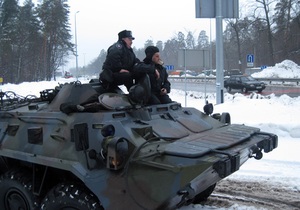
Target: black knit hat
(150, 51)
(125, 34)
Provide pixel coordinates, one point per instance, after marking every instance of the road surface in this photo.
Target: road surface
(209, 87)
(256, 194)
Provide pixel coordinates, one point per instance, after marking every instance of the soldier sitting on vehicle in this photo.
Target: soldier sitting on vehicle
(118, 66)
(152, 65)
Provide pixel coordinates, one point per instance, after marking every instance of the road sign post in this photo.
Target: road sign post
(250, 60)
(218, 9)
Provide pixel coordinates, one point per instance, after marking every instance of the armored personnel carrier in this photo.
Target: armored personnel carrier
(78, 146)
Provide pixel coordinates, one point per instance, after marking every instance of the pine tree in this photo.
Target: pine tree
(56, 35)
(8, 19)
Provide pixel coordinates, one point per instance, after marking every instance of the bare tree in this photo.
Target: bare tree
(265, 6)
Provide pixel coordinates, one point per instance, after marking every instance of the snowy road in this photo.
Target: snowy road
(272, 183)
(230, 193)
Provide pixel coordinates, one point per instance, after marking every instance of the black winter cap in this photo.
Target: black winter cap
(125, 34)
(150, 51)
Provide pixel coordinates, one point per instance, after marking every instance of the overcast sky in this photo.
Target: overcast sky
(99, 21)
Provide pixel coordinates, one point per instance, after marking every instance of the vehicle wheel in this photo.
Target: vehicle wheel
(204, 195)
(228, 89)
(244, 90)
(70, 197)
(15, 191)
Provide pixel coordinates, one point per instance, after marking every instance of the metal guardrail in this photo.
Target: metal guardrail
(280, 80)
(212, 79)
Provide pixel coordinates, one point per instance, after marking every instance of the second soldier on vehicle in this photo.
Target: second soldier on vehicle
(153, 66)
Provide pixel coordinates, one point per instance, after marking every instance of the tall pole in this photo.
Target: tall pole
(84, 64)
(76, 47)
(210, 48)
(185, 77)
(219, 53)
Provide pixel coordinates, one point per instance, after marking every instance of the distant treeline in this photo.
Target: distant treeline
(35, 40)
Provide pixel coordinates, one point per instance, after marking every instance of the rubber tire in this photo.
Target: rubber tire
(70, 197)
(204, 194)
(15, 191)
(244, 90)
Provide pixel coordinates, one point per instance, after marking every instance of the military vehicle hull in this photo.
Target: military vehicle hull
(119, 155)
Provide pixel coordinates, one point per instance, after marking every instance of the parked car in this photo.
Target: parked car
(244, 83)
(181, 73)
(232, 72)
(68, 75)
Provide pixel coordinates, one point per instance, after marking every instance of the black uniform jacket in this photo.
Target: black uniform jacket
(118, 57)
(148, 67)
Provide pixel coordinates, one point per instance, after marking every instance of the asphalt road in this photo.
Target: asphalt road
(292, 91)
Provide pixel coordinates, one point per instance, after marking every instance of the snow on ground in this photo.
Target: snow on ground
(278, 115)
(285, 69)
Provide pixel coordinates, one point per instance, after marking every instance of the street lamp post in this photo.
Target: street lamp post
(76, 47)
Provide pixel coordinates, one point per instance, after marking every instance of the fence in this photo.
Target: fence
(270, 81)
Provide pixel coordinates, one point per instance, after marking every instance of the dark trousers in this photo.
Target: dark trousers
(122, 79)
(111, 80)
(159, 99)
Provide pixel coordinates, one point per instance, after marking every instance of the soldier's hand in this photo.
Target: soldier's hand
(124, 71)
(163, 91)
(157, 75)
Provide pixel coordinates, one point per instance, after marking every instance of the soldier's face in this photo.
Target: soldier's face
(156, 58)
(128, 41)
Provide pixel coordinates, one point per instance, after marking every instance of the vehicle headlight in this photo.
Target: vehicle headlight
(108, 130)
(115, 152)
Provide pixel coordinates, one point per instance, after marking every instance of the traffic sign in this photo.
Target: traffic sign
(263, 67)
(169, 67)
(250, 60)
